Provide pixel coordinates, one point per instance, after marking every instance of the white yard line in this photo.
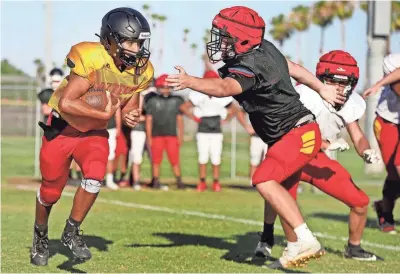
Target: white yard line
(210, 216)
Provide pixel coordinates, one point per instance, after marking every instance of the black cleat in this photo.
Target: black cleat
(359, 254)
(73, 238)
(40, 247)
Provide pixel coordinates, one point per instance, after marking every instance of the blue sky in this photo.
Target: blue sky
(23, 28)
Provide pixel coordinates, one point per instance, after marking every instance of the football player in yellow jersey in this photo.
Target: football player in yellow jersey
(118, 65)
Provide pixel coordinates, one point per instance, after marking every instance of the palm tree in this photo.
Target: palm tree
(299, 19)
(185, 34)
(154, 19)
(281, 29)
(161, 19)
(40, 72)
(322, 16)
(343, 10)
(193, 47)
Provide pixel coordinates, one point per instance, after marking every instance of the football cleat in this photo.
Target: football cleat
(359, 254)
(40, 247)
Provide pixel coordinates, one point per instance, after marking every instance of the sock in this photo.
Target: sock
(203, 180)
(109, 178)
(71, 222)
(178, 179)
(137, 183)
(41, 228)
(293, 249)
(303, 233)
(216, 180)
(122, 176)
(268, 234)
(351, 246)
(79, 174)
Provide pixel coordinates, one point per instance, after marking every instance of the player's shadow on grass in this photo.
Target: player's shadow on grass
(341, 217)
(240, 250)
(56, 247)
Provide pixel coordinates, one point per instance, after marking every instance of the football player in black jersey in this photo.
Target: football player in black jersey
(257, 75)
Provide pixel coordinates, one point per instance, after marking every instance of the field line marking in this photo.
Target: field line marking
(210, 216)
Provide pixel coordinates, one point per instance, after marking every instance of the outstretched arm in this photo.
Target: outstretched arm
(211, 86)
(390, 78)
(302, 75)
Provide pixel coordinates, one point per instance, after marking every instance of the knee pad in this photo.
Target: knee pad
(47, 197)
(91, 186)
(94, 169)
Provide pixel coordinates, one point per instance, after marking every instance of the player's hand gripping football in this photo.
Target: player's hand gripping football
(132, 118)
(179, 81)
(371, 156)
(110, 108)
(332, 95)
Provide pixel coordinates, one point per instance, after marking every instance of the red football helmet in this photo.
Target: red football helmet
(160, 81)
(339, 66)
(210, 74)
(235, 30)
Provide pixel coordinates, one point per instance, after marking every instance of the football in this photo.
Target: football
(98, 99)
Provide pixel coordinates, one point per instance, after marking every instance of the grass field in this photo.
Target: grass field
(178, 231)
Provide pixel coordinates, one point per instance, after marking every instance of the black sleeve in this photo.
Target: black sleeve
(44, 95)
(246, 78)
(147, 106)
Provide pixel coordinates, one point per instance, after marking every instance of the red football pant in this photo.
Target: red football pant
(90, 151)
(285, 159)
(388, 137)
(122, 146)
(168, 143)
(333, 179)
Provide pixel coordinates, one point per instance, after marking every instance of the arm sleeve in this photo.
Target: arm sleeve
(245, 77)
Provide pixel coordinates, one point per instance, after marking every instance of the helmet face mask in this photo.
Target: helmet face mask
(221, 46)
(342, 83)
(125, 34)
(235, 31)
(338, 68)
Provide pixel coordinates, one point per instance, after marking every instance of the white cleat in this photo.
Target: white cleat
(137, 187)
(299, 254)
(263, 250)
(112, 185)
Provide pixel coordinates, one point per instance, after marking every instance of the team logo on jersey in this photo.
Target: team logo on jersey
(308, 140)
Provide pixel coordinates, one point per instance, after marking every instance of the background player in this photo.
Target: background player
(209, 112)
(387, 132)
(164, 129)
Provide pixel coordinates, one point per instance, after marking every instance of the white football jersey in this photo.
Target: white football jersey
(331, 123)
(206, 106)
(389, 105)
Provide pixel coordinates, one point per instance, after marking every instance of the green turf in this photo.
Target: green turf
(127, 239)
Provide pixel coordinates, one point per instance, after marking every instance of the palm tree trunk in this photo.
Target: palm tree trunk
(388, 45)
(321, 42)
(343, 34)
(161, 53)
(298, 46)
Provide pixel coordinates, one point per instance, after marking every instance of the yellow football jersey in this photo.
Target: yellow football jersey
(91, 61)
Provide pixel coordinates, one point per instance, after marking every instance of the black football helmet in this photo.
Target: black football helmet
(120, 25)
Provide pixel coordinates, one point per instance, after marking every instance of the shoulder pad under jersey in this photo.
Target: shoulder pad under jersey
(354, 108)
(86, 57)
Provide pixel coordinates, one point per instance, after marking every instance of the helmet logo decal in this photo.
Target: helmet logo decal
(340, 69)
